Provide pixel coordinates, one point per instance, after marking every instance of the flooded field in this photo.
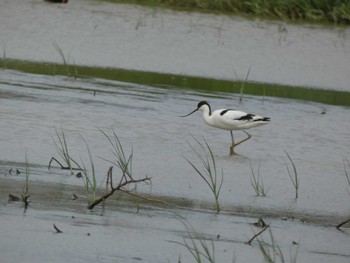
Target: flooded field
(177, 212)
(146, 120)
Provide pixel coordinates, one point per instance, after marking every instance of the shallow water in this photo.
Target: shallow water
(147, 121)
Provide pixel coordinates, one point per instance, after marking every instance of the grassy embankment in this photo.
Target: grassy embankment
(326, 96)
(334, 11)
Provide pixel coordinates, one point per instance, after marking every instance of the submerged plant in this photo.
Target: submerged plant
(209, 174)
(256, 182)
(293, 175)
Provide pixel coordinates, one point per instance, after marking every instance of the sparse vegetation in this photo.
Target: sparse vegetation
(88, 175)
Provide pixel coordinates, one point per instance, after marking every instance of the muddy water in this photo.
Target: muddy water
(147, 123)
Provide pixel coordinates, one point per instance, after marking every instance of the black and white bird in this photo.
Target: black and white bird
(228, 119)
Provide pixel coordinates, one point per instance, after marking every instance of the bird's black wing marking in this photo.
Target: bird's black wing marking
(247, 117)
(224, 111)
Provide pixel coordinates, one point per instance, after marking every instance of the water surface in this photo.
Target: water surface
(146, 120)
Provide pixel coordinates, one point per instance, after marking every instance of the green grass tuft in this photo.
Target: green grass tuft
(257, 182)
(209, 174)
(293, 175)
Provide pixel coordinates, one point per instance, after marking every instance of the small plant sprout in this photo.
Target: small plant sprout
(209, 174)
(257, 182)
(4, 57)
(293, 175)
(243, 84)
(25, 192)
(122, 161)
(63, 57)
(89, 178)
(347, 173)
(66, 62)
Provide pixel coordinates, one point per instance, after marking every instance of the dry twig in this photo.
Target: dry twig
(258, 234)
(124, 181)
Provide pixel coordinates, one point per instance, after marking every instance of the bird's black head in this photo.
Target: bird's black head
(201, 103)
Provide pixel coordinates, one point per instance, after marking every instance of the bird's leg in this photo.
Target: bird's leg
(232, 151)
(233, 140)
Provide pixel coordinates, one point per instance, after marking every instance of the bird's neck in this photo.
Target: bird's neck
(207, 117)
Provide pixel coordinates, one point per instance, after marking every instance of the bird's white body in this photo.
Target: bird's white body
(231, 120)
(227, 119)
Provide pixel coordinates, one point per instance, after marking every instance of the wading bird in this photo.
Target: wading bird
(228, 119)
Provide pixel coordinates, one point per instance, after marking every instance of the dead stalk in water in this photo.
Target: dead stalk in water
(124, 181)
(249, 242)
(342, 223)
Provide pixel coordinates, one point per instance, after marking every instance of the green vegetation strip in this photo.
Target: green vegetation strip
(186, 82)
(335, 11)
